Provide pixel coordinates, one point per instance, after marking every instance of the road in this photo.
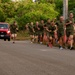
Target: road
(24, 58)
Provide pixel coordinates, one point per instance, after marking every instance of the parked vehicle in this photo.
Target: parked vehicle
(4, 31)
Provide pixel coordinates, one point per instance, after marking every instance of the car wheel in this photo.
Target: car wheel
(8, 39)
(4, 39)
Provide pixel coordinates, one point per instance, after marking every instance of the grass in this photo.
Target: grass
(22, 35)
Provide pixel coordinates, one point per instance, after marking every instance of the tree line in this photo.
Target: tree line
(26, 11)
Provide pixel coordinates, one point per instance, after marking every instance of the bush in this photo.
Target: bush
(35, 12)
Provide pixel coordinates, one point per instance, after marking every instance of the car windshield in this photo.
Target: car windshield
(3, 26)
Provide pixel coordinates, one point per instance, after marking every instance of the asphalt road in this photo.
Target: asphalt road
(24, 58)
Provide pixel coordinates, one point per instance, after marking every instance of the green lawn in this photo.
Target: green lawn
(22, 35)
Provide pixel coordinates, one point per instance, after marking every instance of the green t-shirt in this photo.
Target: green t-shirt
(13, 28)
(36, 29)
(70, 26)
(60, 26)
(48, 25)
(44, 30)
(52, 28)
(41, 26)
(31, 28)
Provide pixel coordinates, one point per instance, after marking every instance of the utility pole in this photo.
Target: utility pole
(65, 9)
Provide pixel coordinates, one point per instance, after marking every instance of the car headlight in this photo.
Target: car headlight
(8, 32)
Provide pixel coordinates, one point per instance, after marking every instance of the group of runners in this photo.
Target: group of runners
(14, 29)
(55, 31)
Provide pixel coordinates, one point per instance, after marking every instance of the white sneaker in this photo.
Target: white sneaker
(61, 48)
(40, 42)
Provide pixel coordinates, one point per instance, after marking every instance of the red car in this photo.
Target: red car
(4, 31)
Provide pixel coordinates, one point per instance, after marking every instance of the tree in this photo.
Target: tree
(45, 1)
(2, 16)
(35, 12)
(5, 1)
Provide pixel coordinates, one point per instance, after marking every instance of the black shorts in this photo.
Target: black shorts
(68, 33)
(60, 34)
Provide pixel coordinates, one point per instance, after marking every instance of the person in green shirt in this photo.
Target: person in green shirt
(14, 29)
(37, 31)
(41, 26)
(45, 38)
(60, 31)
(31, 31)
(51, 29)
(46, 26)
(70, 30)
